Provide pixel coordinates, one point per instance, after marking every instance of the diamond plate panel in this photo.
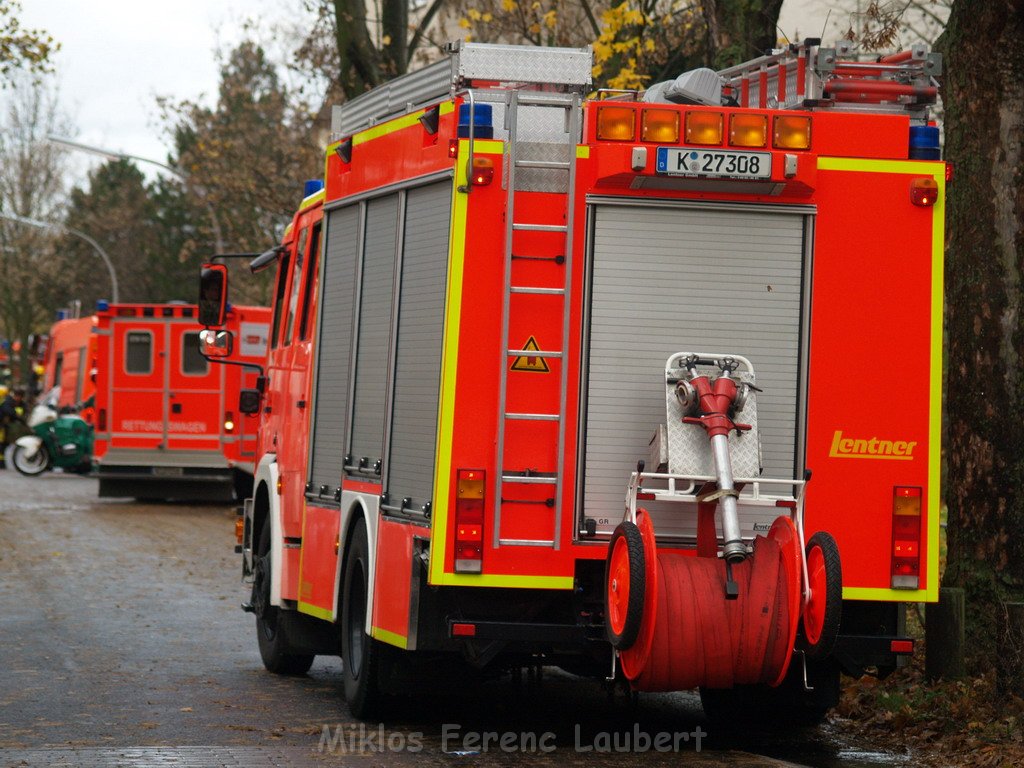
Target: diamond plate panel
(689, 451)
(524, 64)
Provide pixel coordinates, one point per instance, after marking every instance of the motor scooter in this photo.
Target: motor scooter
(61, 440)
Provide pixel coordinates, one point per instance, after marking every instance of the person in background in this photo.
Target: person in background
(12, 419)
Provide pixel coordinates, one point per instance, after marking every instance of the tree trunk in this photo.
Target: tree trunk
(984, 96)
(358, 60)
(739, 30)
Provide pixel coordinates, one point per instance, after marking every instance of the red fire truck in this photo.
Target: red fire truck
(608, 382)
(69, 362)
(166, 420)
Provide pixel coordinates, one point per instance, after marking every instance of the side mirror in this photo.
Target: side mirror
(216, 343)
(213, 294)
(249, 401)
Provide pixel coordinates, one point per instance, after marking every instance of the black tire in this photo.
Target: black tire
(30, 467)
(271, 621)
(631, 539)
(789, 706)
(833, 595)
(363, 657)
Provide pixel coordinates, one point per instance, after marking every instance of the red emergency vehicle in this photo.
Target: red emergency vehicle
(610, 382)
(69, 362)
(167, 424)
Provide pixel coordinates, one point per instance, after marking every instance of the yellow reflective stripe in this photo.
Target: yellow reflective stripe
(929, 595)
(313, 610)
(505, 580)
(937, 170)
(391, 638)
(582, 151)
(923, 167)
(935, 393)
(391, 126)
(481, 147)
(449, 367)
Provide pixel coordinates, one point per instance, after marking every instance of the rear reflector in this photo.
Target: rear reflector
(906, 538)
(902, 646)
(101, 420)
(239, 529)
(463, 630)
(469, 520)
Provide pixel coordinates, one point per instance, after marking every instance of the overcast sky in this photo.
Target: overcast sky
(117, 56)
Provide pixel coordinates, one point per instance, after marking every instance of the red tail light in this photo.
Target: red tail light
(469, 520)
(906, 538)
(101, 420)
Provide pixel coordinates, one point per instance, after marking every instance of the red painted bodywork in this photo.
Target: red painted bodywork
(70, 362)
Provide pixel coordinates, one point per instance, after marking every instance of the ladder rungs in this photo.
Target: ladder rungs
(526, 542)
(539, 291)
(552, 165)
(540, 227)
(532, 353)
(533, 416)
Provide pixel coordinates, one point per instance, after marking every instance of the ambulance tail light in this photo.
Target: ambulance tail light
(924, 192)
(704, 127)
(791, 132)
(748, 131)
(229, 422)
(483, 171)
(101, 420)
(906, 538)
(469, 520)
(660, 126)
(616, 123)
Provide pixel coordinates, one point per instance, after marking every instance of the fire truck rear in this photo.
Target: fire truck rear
(69, 363)
(610, 383)
(167, 425)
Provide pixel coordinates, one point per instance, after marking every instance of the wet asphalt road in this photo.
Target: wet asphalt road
(121, 643)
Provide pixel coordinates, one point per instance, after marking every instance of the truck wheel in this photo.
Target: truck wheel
(821, 616)
(362, 656)
(271, 621)
(625, 579)
(35, 465)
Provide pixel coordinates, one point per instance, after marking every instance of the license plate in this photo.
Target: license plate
(168, 471)
(714, 163)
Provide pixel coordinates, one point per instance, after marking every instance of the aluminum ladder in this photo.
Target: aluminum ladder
(570, 105)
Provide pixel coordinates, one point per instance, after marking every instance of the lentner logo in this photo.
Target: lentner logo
(873, 448)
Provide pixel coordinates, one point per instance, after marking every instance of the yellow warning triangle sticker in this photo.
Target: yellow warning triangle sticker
(528, 362)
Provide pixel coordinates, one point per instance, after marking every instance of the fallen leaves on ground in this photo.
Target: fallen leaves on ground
(961, 723)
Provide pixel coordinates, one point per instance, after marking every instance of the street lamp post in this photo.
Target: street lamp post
(77, 233)
(112, 155)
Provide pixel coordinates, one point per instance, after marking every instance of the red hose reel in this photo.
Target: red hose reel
(674, 616)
